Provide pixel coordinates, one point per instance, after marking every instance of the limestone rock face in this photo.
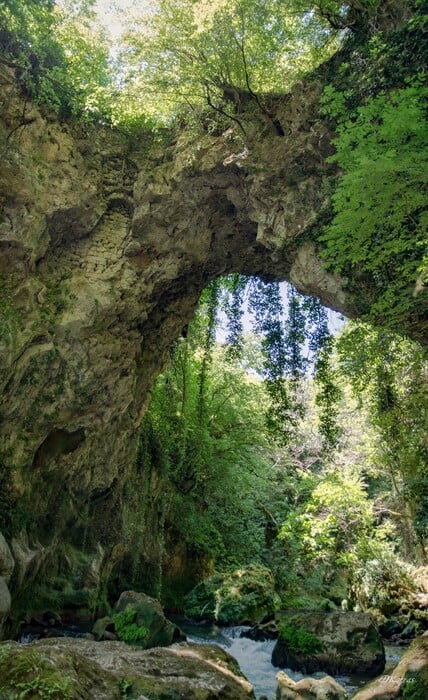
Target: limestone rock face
(309, 689)
(97, 670)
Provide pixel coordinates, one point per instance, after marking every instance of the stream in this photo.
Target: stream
(254, 657)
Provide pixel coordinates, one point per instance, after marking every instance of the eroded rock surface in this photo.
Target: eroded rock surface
(409, 678)
(104, 670)
(309, 688)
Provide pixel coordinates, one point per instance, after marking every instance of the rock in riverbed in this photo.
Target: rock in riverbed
(337, 642)
(85, 670)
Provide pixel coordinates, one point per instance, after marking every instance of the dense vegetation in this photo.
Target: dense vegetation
(321, 466)
(254, 479)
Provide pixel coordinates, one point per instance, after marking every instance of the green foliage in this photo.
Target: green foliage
(379, 578)
(126, 627)
(334, 532)
(60, 55)
(332, 521)
(125, 687)
(388, 374)
(415, 685)
(380, 225)
(189, 52)
(299, 640)
(205, 430)
(328, 396)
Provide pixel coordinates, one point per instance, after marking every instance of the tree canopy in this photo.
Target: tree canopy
(186, 53)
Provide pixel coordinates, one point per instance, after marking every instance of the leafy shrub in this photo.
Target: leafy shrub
(299, 640)
(414, 688)
(126, 627)
(380, 197)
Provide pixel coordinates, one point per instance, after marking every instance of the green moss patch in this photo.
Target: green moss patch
(299, 640)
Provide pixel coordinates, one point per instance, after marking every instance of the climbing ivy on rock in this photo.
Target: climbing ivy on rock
(379, 229)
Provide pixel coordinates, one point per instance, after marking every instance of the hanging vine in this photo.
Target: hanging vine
(321, 347)
(210, 302)
(265, 303)
(293, 342)
(234, 287)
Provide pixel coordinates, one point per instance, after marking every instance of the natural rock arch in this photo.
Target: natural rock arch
(104, 251)
(105, 254)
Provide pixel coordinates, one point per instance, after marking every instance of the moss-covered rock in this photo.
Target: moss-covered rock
(138, 618)
(74, 669)
(242, 596)
(337, 642)
(54, 671)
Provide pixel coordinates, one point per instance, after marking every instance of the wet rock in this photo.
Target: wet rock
(346, 642)
(138, 610)
(309, 688)
(6, 560)
(88, 635)
(242, 596)
(409, 678)
(103, 629)
(94, 671)
(5, 599)
(264, 630)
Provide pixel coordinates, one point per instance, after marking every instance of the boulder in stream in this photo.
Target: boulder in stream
(336, 642)
(76, 669)
(242, 596)
(139, 618)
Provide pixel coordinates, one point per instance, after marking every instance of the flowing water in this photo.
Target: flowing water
(254, 657)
